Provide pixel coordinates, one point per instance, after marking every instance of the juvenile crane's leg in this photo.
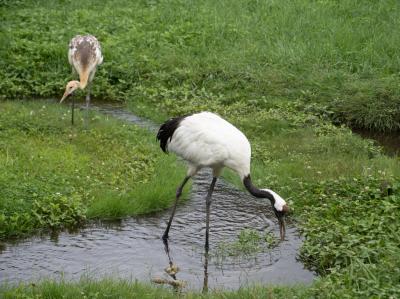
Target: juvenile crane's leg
(178, 194)
(73, 101)
(206, 246)
(72, 109)
(87, 105)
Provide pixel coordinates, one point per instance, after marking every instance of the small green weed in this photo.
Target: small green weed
(249, 242)
(56, 210)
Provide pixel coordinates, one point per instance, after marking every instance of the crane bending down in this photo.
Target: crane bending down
(206, 140)
(84, 56)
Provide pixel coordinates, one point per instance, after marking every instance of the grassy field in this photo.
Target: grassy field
(53, 175)
(287, 73)
(337, 58)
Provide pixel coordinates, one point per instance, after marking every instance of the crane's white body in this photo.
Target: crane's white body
(207, 140)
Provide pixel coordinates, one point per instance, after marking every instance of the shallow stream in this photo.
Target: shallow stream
(132, 248)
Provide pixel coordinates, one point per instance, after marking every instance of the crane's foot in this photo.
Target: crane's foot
(176, 283)
(172, 270)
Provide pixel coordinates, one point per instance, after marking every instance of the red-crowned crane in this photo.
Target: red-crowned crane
(84, 55)
(206, 140)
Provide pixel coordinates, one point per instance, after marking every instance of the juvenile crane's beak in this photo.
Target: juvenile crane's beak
(64, 97)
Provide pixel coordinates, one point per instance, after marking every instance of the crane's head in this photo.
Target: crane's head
(70, 88)
(279, 205)
(280, 208)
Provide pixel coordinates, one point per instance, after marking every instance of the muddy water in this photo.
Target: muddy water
(390, 142)
(132, 248)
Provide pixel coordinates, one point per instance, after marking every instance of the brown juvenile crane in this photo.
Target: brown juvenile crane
(84, 55)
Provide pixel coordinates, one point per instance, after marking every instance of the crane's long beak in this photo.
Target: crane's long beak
(64, 97)
(282, 227)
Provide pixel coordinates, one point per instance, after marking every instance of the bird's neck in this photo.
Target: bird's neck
(255, 191)
(83, 77)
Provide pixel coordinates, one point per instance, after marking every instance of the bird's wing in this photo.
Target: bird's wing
(73, 45)
(206, 139)
(85, 52)
(197, 146)
(97, 49)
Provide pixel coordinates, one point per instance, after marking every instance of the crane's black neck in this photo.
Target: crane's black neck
(255, 191)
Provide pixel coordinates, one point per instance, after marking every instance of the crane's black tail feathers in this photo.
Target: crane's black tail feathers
(167, 130)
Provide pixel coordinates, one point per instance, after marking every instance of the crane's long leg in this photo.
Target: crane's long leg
(73, 101)
(87, 105)
(178, 194)
(72, 109)
(165, 235)
(206, 246)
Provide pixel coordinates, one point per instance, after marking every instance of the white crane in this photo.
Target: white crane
(206, 140)
(84, 55)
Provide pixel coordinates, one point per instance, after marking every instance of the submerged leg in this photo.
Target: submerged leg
(178, 194)
(165, 235)
(166, 248)
(206, 246)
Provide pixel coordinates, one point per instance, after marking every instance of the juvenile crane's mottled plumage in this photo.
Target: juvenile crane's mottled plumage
(84, 55)
(207, 140)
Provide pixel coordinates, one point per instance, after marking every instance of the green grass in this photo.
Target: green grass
(338, 58)
(111, 288)
(53, 175)
(154, 195)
